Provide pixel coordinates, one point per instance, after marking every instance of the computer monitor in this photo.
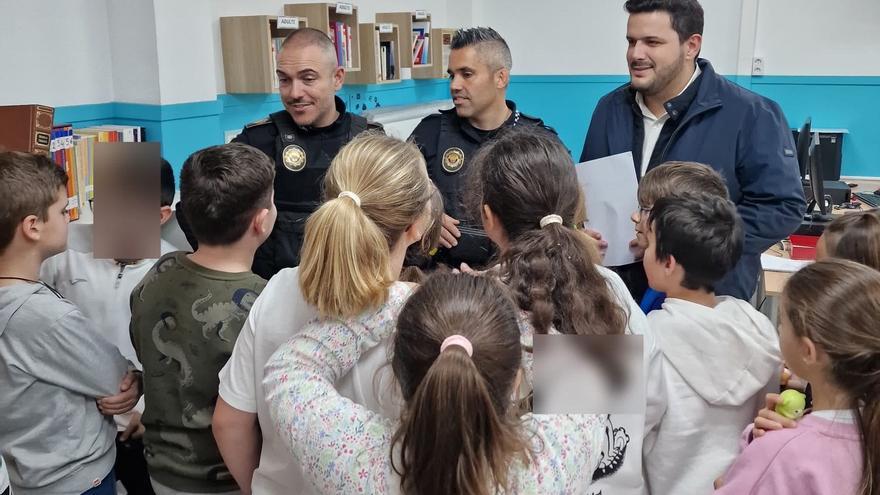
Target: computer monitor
(803, 146)
(817, 186)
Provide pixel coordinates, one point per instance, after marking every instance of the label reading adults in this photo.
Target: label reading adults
(287, 22)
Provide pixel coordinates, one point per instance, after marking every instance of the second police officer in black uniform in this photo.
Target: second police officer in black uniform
(302, 139)
(479, 73)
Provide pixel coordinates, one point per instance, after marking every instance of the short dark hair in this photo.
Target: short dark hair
(221, 187)
(166, 196)
(28, 185)
(491, 46)
(702, 232)
(686, 15)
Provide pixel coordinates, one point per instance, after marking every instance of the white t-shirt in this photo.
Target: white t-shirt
(4, 477)
(101, 289)
(276, 316)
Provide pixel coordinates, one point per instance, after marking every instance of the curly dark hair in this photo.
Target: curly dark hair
(523, 176)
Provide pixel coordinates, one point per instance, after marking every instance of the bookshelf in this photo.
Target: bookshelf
(440, 49)
(411, 23)
(380, 54)
(328, 17)
(249, 45)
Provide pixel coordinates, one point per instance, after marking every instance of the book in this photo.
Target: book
(276, 49)
(26, 128)
(349, 48)
(61, 149)
(417, 51)
(339, 35)
(446, 49)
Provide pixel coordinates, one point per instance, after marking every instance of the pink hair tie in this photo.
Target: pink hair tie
(459, 341)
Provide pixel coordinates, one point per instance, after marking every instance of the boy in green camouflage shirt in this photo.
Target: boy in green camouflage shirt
(188, 310)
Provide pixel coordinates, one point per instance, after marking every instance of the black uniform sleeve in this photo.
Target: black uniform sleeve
(425, 135)
(242, 137)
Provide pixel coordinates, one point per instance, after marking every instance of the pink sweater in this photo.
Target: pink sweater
(819, 457)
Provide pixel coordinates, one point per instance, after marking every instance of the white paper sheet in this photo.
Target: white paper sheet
(610, 193)
(779, 264)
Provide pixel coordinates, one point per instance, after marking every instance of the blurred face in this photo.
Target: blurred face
(54, 234)
(473, 85)
(655, 55)
(308, 80)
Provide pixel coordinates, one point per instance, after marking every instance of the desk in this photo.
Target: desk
(774, 282)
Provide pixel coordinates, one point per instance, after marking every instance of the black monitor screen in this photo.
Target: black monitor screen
(803, 147)
(816, 183)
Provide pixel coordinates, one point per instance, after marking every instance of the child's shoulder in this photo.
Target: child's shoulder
(810, 439)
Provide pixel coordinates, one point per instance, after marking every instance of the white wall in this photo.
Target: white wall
(54, 52)
(70, 52)
(135, 62)
(185, 46)
(589, 37)
(818, 37)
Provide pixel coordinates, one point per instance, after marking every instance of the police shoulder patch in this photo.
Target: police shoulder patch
(260, 122)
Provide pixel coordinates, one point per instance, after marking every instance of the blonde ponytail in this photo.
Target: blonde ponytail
(345, 266)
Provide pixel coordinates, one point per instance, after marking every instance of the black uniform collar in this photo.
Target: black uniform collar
(677, 107)
(480, 134)
(336, 125)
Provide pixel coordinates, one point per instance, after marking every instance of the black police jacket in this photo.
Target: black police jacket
(448, 142)
(302, 156)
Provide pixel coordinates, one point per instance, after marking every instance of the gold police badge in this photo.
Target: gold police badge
(294, 157)
(453, 160)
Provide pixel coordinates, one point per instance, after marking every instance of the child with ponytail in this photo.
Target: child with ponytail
(854, 236)
(377, 202)
(829, 336)
(525, 189)
(456, 358)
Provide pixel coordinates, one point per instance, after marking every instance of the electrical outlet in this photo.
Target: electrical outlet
(758, 66)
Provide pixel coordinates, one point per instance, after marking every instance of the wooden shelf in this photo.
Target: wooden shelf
(248, 45)
(321, 15)
(372, 35)
(406, 21)
(440, 48)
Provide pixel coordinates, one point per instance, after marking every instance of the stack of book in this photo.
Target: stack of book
(387, 66)
(421, 35)
(276, 49)
(340, 34)
(61, 152)
(83, 163)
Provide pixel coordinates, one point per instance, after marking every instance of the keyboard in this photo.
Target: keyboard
(869, 199)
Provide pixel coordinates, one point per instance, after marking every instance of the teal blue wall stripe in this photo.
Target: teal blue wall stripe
(565, 102)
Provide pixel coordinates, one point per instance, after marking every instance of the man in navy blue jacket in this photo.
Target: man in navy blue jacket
(677, 108)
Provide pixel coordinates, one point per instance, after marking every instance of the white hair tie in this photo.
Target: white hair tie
(550, 219)
(354, 197)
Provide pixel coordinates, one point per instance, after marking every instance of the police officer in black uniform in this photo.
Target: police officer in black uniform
(479, 72)
(302, 139)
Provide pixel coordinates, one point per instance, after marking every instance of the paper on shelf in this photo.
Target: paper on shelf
(780, 264)
(610, 194)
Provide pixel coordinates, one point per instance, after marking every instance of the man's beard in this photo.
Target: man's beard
(662, 77)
